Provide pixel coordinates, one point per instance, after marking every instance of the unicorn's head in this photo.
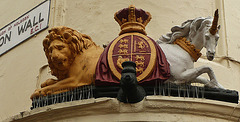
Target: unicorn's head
(211, 37)
(205, 34)
(201, 32)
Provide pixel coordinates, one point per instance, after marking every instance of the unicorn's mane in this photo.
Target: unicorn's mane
(187, 29)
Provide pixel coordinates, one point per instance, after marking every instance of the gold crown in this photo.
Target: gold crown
(132, 19)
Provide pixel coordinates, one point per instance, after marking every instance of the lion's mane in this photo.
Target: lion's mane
(76, 41)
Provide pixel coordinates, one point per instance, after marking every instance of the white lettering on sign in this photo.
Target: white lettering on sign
(24, 27)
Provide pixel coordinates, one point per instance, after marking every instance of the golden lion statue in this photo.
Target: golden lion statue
(72, 58)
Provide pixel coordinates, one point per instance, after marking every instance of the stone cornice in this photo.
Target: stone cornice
(152, 108)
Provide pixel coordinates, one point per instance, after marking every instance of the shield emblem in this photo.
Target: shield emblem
(134, 47)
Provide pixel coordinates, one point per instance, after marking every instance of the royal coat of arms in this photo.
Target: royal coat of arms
(134, 47)
(132, 44)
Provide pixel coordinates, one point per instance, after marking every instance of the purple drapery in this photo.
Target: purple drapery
(104, 76)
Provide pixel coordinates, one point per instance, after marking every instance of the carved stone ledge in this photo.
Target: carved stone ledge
(152, 108)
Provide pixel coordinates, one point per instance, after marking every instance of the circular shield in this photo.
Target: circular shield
(134, 47)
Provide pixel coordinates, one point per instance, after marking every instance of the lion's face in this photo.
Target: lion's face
(60, 55)
(61, 46)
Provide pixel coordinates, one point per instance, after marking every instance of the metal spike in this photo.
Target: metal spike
(190, 90)
(71, 95)
(77, 93)
(89, 94)
(184, 90)
(74, 94)
(203, 90)
(159, 88)
(65, 96)
(156, 87)
(91, 91)
(68, 95)
(37, 102)
(54, 101)
(169, 88)
(193, 92)
(196, 91)
(45, 101)
(41, 101)
(33, 102)
(154, 91)
(81, 93)
(62, 95)
(51, 96)
(80, 97)
(164, 89)
(85, 92)
(178, 91)
(59, 97)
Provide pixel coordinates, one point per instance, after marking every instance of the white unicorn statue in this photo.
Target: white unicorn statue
(182, 48)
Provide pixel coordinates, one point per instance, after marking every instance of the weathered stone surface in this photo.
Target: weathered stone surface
(152, 108)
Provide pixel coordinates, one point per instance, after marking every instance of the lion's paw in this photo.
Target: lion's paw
(48, 82)
(39, 92)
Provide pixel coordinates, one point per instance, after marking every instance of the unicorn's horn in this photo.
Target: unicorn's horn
(213, 28)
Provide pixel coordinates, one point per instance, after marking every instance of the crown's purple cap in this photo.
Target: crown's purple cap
(132, 19)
